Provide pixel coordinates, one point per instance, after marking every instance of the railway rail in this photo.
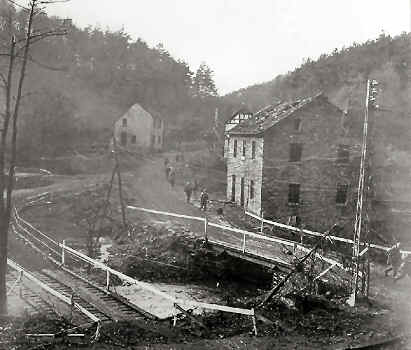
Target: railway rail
(83, 288)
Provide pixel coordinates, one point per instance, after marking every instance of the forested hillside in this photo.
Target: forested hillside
(341, 75)
(79, 84)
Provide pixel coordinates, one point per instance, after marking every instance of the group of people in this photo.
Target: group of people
(190, 188)
(400, 267)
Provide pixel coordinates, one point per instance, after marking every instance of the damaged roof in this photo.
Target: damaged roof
(269, 116)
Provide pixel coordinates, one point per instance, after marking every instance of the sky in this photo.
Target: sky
(244, 42)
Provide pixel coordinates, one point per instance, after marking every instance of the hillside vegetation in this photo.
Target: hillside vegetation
(78, 84)
(341, 75)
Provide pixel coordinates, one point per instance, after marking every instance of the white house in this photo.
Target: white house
(138, 130)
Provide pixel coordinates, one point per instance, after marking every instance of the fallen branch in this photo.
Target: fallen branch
(293, 271)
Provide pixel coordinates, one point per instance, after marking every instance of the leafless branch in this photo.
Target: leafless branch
(53, 1)
(18, 5)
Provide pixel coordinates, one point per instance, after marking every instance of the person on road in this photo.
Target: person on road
(172, 177)
(394, 260)
(203, 199)
(188, 189)
(405, 269)
(168, 169)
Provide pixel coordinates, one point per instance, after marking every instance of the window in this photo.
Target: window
(294, 193)
(297, 124)
(253, 143)
(251, 189)
(343, 155)
(158, 139)
(123, 138)
(244, 147)
(342, 191)
(124, 122)
(296, 150)
(133, 139)
(235, 149)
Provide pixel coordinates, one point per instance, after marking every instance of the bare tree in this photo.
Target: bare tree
(18, 56)
(93, 214)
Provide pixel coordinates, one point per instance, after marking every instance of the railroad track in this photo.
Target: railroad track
(35, 305)
(106, 304)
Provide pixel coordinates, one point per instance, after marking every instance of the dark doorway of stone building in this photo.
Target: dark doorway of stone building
(233, 188)
(242, 192)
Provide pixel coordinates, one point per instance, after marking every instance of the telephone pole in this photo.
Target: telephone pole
(362, 212)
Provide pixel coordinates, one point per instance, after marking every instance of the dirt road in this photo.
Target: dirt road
(151, 190)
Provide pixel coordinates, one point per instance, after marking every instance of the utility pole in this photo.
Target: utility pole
(120, 183)
(361, 216)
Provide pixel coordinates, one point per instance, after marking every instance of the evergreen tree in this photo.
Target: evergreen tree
(204, 85)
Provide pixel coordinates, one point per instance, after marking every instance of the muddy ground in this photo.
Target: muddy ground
(162, 251)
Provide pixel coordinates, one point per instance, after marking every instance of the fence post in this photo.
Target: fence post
(254, 322)
(262, 222)
(63, 253)
(244, 243)
(107, 279)
(206, 229)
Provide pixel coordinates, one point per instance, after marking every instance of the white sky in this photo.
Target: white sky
(245, 42)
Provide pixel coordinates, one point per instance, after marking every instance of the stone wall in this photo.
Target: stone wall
(245, 167)
(318, 172)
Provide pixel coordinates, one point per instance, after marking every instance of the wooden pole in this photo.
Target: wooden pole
(206, 229)
(368, 271)
(254, 323)
(107, 279)
(63, 253)
(244, 243)
(262, 222)
(120, 185)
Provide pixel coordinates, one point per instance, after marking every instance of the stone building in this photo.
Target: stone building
(138, 130)
(297, 163)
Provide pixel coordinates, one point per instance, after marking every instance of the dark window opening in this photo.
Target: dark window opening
(251, 189)
(297, 124)
(233, 188)
(342, 192)
(133, 139)
(296, 150)
(244, 147)
(294, 193)
(235, 149)
(242, 192)
(343, 155)
(124, 122)
(123, 138)
(253, 143)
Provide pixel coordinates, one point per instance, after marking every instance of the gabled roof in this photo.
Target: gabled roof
(269, 116)
(243, 110)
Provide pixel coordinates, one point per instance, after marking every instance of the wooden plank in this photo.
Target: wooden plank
(152, 211)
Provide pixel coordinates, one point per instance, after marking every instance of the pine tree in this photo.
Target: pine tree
(204, 85)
